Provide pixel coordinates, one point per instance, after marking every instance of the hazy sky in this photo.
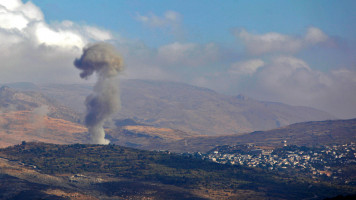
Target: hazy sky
(295, 52)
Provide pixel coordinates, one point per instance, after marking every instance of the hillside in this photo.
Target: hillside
(17, 126)
(191, 109)
(20, 126)
(31, 116)
(112, 172)
(303, 134)
(30, 125)
(144, 137)
(15, 100)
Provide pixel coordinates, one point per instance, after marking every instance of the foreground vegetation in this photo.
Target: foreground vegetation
(166, 168)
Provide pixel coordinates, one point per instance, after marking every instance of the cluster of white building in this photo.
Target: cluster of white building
(323, 161)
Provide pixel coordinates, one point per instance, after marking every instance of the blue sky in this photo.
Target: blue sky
(207, 21)
(295, 52)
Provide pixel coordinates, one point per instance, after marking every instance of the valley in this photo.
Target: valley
(177, 100)
(44, 151)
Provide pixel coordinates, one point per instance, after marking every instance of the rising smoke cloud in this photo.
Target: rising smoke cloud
(105, 61)
(38, 119)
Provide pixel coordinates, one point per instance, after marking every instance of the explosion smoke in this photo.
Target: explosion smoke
(38, 119)
(103, 59)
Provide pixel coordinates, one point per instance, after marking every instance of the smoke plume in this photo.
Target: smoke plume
(38, 119)
(105, 61)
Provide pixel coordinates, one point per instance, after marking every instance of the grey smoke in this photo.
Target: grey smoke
(106, 62)
(38, 119)
(40, 111)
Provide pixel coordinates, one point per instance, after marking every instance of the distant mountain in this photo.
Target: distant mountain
(49, 171)
(61, 122)
(15, 100)
(22, 86)
(303, 134)
(191, 109)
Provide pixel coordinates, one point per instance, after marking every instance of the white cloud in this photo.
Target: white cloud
(62, 38)
(289, 75)
(291, 80)
(315, 35)
(170, 21)
(16, 15)
(276, 42)
(246, 67)
(170, 18)
(12, 20)
(189, 54)
(33, 50)
(26, 22)
(175, 61)
(285, 78)
(11, 5)
(98, 34)
(176, 51)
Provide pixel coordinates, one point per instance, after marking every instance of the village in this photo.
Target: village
(333, 163)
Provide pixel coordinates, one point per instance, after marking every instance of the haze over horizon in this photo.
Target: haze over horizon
(295, 52)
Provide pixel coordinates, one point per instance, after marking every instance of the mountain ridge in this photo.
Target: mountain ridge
(131, 131)
(190, 108)
(312, 133)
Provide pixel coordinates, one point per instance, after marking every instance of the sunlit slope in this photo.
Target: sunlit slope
(17, 126)
(14, 100)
